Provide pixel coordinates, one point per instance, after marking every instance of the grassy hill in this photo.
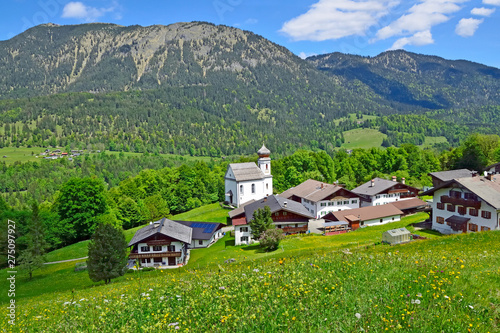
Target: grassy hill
(447, 284)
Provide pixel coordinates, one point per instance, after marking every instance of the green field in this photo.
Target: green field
(363, 138)
(432, 140)
(209, 213)
(311, 284)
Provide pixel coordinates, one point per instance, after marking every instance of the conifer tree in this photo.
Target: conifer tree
(33, 257)
(107, 253)
(261, 222)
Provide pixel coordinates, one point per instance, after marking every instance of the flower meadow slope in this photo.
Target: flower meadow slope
(450, 284)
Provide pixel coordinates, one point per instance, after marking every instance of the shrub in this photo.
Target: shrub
(270, 239)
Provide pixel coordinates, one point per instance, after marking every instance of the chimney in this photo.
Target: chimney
(322, 185)
(373, 183)
(265, 199)
(403, 180)
(394, 178)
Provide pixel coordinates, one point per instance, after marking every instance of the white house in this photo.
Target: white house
(248, 181)
(204, 233)
(162, 243)
(321, 198)
(366, 216)
(466, 204)
(380, 191)
(287, 215)
(493, 169)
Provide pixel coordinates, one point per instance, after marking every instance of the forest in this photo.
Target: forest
(131, 191)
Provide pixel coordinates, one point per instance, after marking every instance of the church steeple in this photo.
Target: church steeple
(264, 161)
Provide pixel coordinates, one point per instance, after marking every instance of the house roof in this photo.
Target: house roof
(379, 185)
(246, 171)
(240, 209)
(163, 227)
(332, 224)
(487, 190)
(263, 151)
(409, 203)
(491, 166)
(313, 190)
(398, 232)
(202, 230)
(364, 213)
(456, 222)
(451, 174)
(276, 203)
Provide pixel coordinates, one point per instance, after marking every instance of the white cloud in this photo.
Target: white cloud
(482, 11)
(492, 2)
(251, 21)
(304, 55)
(418, 39)
(78, 10)
(467, 27)
(420, 18)
(333, 19)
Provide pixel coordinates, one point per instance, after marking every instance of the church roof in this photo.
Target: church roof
(246, 171)
(263, 151)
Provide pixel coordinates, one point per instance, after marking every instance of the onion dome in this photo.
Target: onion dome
(264, 152)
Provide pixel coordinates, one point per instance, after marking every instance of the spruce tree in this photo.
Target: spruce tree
(33, 257)
(107, 254)
(261, 222)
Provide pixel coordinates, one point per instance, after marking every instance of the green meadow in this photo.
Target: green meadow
(362, 138)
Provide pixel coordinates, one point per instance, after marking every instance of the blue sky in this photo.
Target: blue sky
(453, 29)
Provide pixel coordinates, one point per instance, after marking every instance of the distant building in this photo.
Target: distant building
(466, 204)
(321, 198)
(493, 169)
(287, 215)
(396, 236)
(441, 177)
(248, 181)
(380, 191)
(204, 233)
(366, 216)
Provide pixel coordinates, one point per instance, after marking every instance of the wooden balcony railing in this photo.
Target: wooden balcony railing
(154, 255)
(294, 229)
(461, 202)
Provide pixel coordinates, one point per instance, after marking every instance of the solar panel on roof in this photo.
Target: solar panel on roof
(209, 228)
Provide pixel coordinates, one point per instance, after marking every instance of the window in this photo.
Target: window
(323, 204)
(200, 242)
(241, 189)
(484, 228)
(244, 239)
(440, 205)
(393, 218)
(157, 260)
(279, 226)
(381, 220)
(470, 196)
(284, 213)
(439, 219)
(354, 201)
(377, 197)
(244, 229)
(473, 212)
(157, 248)
(330, 203)
(339, 203)
(144, 248)
(472, 227)
(171, 248)
(455, 194)
(145, 260)
(485, 214)
(267, 186)
(346, 202)
(462, 210)
(267, 166)
(253, 188)
(450, 208)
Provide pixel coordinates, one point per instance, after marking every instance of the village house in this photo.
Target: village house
(287, 215)
(161, 243)
(380, 191)
(493, 169)
(204, 233)
(441, 177)
(248, 181)
(366, 216)
(466, 204)
(321, 198)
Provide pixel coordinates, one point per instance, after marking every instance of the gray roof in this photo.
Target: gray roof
(398, 232)
(163, 227)
(451, 174)
(240, 209)
(491, 166)
(364, 213)
(276, 203)
(380, 185)
(263, 151)
(313, 190)
(246, 171)
(202, 230)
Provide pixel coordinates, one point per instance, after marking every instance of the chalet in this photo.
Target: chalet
(162, 243)
(321, 198)
(247, 181)
(204, 233)
(380, 191)
(466, 204)
(411, 206)
(441, 177)
(287, 215)
(493, 169)
(366, 216)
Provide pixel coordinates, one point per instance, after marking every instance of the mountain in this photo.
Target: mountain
(415, 80)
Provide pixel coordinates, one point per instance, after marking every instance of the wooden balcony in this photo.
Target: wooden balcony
(292, 230)
(461, 202)
(154, 255)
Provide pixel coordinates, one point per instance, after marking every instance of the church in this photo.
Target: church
(245, 182)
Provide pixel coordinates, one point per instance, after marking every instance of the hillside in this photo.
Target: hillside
(415, 80)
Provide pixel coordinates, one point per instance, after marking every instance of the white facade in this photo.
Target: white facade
(380, 221)
(174, 247)
(244, 191)
(480, 222)
(321, 208)
(197, 243)
(382, 199)
(242, 235)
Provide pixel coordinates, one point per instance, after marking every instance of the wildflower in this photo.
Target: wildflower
(415, 301)
(173, 324)
(358, 315)
(256, 270)
(470, 306)
(222, 288)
